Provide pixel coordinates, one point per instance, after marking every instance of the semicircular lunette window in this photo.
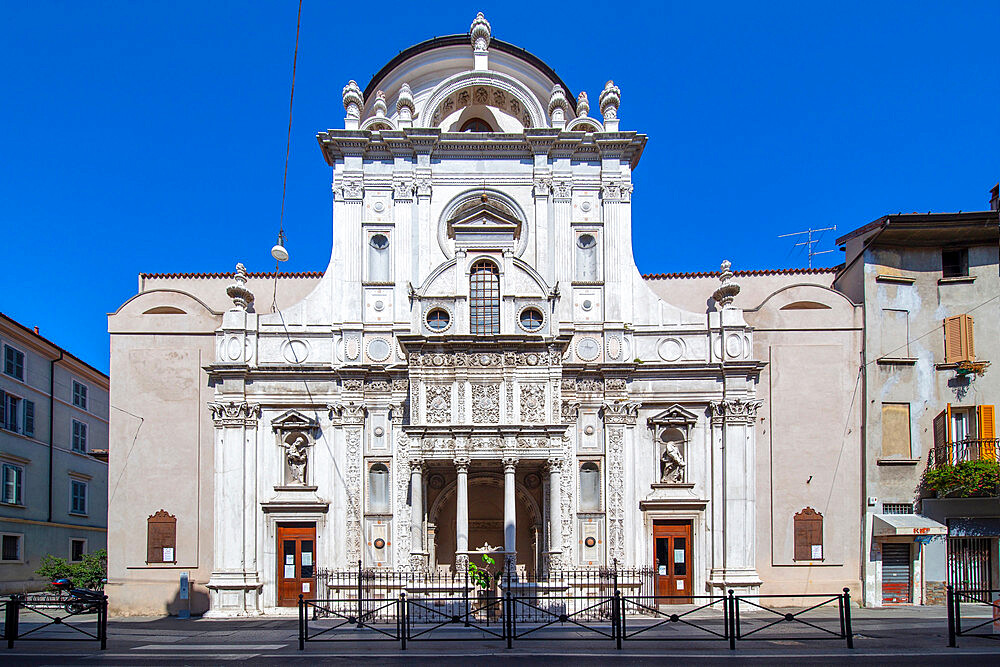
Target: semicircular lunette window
(438, 319)
(531, 319)
(476, 125)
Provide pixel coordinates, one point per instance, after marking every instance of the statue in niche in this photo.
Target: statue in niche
(673, 462)
(297, 457)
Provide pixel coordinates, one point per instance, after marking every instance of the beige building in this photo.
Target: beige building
(53, 456)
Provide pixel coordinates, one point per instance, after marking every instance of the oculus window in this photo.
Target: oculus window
(531, 319)
(438, 319)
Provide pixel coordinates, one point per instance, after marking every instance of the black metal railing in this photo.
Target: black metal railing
(970, 449)
(57, 616)
(985, 599)
(512, 616)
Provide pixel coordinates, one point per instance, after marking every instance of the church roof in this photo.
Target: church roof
(229, 274)
(755, 272)
(463, 40)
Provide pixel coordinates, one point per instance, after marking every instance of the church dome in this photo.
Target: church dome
(466, 82)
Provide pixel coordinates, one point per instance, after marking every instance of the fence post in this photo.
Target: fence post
(11, 619)
(466, 593)
(846, 620)
(951, 616)
(404, 625)
(508, 617)
(102, 622)
(616, 618)
(360, 588)
(733, 610)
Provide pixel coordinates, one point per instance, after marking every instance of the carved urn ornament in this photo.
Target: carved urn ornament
(380, 106)
(352, 99)
(239, 292)
(610, 100)
(480, 33)
(405, 106)
(582, 105)
(558, 106)
(728, 290)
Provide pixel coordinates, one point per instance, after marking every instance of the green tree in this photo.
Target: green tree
(88, 573)
(480, 575)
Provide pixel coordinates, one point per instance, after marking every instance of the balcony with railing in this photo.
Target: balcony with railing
(970, 449)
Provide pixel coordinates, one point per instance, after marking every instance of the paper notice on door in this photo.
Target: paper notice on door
(289, 559)
(289, 572)
(680, 584)
(307, 558)
(305, 586)
(662, 570)
(678, 555)
(817, 552)
(168, 554)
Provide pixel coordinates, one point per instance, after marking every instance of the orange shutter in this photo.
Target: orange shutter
(953, 339)
(987, 423)
(968, 338)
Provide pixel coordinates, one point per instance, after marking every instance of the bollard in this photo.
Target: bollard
(11, 619)
(302, 623)
(847, 618)
(951, 616)
(102, 622)
(508, 618)
(616, 617)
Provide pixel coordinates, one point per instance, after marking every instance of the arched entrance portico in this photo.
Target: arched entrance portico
(485, 521)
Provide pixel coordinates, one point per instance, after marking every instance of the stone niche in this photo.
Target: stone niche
(671, 436)
(295, 434)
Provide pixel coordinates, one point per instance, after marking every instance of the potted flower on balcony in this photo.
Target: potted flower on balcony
(967, 479)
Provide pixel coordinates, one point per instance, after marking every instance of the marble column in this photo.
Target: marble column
(555, 514)
(235, 584)
(509, 513)
(462, 515)
(417, 560)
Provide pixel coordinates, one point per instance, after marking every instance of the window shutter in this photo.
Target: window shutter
(941, 429)
(29, 418)
(953, 339)
(987, 422)
(969, 339)
(3, 409)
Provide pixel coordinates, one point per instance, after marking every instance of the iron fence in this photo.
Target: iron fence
(984, 599)
(59, 614)
(970, 449)
(773, 624)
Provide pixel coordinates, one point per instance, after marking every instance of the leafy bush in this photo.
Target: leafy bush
(88, 573)
(968, 479)
(480, 575)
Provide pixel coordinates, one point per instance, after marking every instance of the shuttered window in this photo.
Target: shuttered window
(161, 538)
(959, 341)
(808, 528)
(896, 430)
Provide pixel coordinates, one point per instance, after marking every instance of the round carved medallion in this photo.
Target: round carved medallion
(590, 542)
(378, 349)
(379, 543)
(588, 349)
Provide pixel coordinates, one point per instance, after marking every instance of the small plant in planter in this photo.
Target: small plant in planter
(967, 479)
(483, 582)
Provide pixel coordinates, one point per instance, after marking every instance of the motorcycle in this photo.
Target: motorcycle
(81, 600)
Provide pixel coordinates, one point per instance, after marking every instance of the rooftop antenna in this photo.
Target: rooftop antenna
(808, 243)
(278, 252)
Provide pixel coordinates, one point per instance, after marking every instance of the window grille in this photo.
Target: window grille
(484, 284)
(897, 508)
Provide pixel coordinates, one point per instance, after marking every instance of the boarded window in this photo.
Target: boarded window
(590, 487)
(894, 334)
(959, 343)
(161, 538)
(808, 527)
(896, 430)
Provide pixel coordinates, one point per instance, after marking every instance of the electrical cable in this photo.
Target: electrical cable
(288, 149)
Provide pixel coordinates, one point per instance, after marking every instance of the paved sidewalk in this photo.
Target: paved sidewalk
(892, 636)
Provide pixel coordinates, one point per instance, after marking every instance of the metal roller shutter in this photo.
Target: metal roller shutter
(896, 579)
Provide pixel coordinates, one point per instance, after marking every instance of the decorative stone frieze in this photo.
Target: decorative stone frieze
(616, 493)
(438, 404)
(234, 414)
(486, 403)
(532, 403)
(569, 411)
(734, 410)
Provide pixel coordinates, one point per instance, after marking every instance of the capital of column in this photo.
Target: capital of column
(554, 464)
(416, 464)
(510, 463)
(462, 463)
(235, 414)
(735, 410)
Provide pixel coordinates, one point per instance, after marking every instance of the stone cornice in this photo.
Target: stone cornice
(337, 144)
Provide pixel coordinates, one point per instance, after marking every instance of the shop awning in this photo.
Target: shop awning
(906, 524)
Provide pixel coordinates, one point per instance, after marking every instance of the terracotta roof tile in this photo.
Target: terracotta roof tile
(250, 274)
(756, 272)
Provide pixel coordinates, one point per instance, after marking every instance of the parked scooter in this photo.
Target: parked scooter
(81, 600)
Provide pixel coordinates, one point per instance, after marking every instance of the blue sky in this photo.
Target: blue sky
(150, 136)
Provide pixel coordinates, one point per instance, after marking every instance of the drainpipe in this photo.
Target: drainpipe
(52, 406)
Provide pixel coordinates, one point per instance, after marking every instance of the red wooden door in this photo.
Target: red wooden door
(296, 562)
(672, 560)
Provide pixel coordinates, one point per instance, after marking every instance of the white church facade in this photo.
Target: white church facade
(481, 365)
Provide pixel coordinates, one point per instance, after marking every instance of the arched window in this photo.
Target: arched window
(378, 258)
(378, 489)
(586, 257)
(476, 125)
(484, 301)
(590, 487)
